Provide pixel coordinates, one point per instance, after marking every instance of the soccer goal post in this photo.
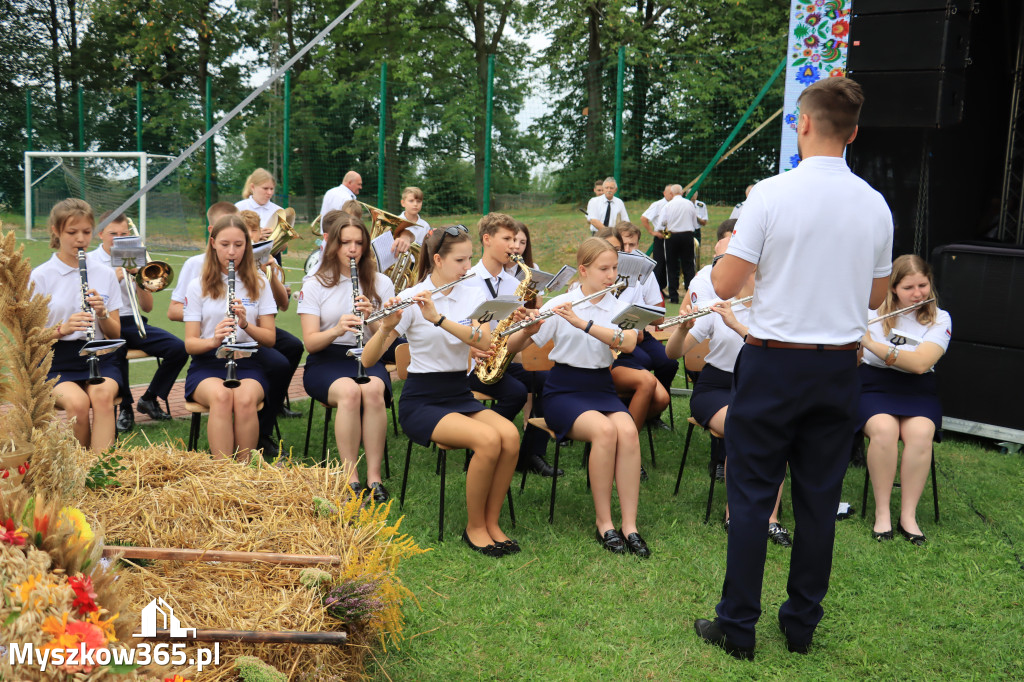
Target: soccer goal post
(142, 162)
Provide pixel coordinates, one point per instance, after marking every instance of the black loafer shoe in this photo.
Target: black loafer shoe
(379, 492)
(612, 541)
(778, 534)
(657, 423)
(538, 465)
(357, 488)
(910, 537)
(271, 451)
(490, 550)
(725, 525)
(289, 414)
(125, 419)
(153, 409)
(884, 535)
(508, 546)
(636, 545)
(643, 474)
(710, 632)
(794, 647)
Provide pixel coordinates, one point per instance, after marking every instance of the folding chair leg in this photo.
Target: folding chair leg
(671, 413)
(440, 516)
(309, 428)
(864, 494)
(465, 467)
(935, 487)
(522, 483)
(394, 419)
(193, 432)
(387, 459)
(711, 498)
(554, 484)
(586, 462)
(323, 441)
(511, 507)
(405, 476)
(686, 448)
(650, 442)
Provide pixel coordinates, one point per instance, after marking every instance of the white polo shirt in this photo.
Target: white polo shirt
(209, 312)
(725, 343)
(816, 252)
(334, 199)
(419, 230)
(330, 303)
(647, 293)
(572, 346)
(265, 212)
(598, 206)
(64, 285)
(679, 215)
(99, 255)
(190, 270)
(914, 333)
(431, 348)
(702, 291)
(654, 211)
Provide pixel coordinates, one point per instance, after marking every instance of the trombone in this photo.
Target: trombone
(154, 275)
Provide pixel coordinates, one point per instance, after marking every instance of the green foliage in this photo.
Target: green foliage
(103, 473)
(252, 669)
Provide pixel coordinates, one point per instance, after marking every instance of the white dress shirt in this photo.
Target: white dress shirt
(209, 311)
(679, 215)
(653, 212)
(431, 348)
(99, 255)
(419, 230)
(572, 346)
(64, 285)
(725, 343)
(598, 206)
(816, 252)
(330, 303)
(190, 270)
(265, 211)
(913, 332)
(736, 211)
(334, 199)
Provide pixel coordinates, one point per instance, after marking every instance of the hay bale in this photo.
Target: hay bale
(173, 498)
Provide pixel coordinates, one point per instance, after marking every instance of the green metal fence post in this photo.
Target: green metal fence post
(736, 129)
(619, 81)
(29, 218)
(138, 125)
(488, 124)
(382, 132)
(81, 137)
(209, 151)
(287, 142)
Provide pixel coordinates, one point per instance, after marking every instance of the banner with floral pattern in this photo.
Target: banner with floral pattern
(819, 32)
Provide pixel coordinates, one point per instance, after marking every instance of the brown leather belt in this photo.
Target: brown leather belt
(754, 341)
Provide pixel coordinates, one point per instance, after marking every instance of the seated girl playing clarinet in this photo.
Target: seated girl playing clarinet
(436, 403)
(233, 428)
(71, 226)
(330, 309)
(580, 399)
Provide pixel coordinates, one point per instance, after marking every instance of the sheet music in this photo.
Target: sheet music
(496, 309)
(634, 267)
(540, 278)
(635, 316)
(382, 250)
(261, 251)
(127, 252)
(561, 278)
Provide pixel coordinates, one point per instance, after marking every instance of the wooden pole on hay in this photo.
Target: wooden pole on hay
(259, 636)
(175, 554)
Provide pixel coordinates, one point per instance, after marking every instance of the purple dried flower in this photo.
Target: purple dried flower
(353, 601)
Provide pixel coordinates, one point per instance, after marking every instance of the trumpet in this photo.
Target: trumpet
(402, 305)
(614, 290)
(93, 348)
(700, 312)
(357, 353)
(230, 348)
(894, 313)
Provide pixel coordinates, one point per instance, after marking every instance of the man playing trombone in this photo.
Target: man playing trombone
(138, 334)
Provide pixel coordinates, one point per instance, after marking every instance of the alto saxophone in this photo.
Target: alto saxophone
(493, 368)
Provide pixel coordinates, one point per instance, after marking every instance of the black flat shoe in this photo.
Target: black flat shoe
(379, 492)
(778, 534)
(910, 537)
(357, 488)
(490, 550)
(538, 465)
(794, 647)
(636, 545)
(710, 632)
(153, 409)
(657, 423)
(508, 546)
(611, 540)
(880, 536)
(270, 448)
(125, 419)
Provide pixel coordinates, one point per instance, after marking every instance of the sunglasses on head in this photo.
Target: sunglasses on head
(453, 230)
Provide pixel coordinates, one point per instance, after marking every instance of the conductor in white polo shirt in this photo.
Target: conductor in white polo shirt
(348, 190)
(821, 241)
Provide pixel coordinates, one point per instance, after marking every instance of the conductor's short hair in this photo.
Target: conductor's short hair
(834, 105)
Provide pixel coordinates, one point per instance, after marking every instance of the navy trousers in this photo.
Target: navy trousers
(660, 268)
(679, 256)
(796, 407)
(279, 363)
(651, 354)
(160, 344)
(535, 441)
(510, 396)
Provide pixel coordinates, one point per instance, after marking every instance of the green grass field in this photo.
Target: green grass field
(565, 609)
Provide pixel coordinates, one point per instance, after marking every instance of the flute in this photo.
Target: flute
(894, 313)
(614, 289)
(361, 377)
(700, 312)
(402, 305)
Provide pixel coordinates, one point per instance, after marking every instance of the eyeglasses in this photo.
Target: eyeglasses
(453, 230)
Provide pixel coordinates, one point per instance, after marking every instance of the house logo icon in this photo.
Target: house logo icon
(157, 609)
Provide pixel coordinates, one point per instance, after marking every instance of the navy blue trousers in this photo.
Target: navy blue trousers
(158, 343)
(651, 354)
(279, 363)
(795, 407)
(510, 396)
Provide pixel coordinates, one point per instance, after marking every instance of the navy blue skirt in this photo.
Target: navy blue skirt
(333, 363)
(68, 365)
(209, 366)
(570, 391)
(889, 391)
(712, 392)
(428, 398)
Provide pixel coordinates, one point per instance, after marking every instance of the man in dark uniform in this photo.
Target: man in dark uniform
(821, 241)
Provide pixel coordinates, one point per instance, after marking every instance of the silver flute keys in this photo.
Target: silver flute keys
(387, 310)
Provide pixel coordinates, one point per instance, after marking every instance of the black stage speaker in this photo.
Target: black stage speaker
(981, 383)
(910, 56)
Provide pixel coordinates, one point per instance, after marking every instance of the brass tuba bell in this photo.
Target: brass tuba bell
(403, 273)
(283, 232)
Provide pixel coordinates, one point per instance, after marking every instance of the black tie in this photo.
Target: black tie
(608, 214)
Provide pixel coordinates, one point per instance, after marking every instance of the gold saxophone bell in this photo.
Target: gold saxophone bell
(491, 370)
(283, 231)
(403, 273)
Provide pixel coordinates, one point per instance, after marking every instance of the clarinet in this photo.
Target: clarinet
(92, 359)
(231, 379)
(357, 353)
